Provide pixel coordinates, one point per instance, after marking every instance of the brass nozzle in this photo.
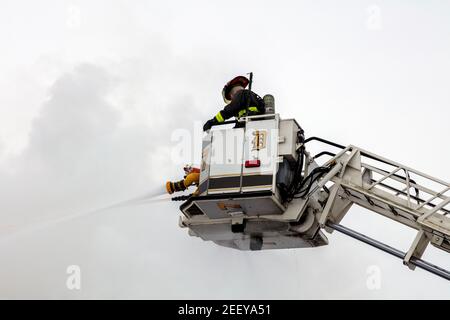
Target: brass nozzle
(172, 187)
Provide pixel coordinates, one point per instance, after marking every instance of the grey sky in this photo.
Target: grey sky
(92, 91)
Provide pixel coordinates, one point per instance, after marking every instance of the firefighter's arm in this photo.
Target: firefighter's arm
(230, 109)
(191, 178)
(222, 115)
(227, 112)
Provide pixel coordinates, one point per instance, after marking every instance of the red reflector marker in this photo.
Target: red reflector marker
(252, 163)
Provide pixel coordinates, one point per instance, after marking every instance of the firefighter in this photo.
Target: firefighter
(240, 102)
(191, 177)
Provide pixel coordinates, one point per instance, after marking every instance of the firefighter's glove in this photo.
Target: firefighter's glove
(209, 124)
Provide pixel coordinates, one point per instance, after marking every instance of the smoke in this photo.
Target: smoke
(64, 189)
(79, 156)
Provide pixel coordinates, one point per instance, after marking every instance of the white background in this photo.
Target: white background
(91, 92)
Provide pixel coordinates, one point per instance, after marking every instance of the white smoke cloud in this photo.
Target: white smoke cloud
(72, 141)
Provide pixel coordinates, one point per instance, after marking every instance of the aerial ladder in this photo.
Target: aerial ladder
(261, 189)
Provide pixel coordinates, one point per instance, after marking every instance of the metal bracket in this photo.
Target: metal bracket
(237, 224)
(328, 205)
(417, 249)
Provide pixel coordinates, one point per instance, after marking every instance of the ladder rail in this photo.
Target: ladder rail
(406, 180)
(412, 184)
(383, 195)
(396, 164)
(373, 156)
(434, 194)
(414, 197)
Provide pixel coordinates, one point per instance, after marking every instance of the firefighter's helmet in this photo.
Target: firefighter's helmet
(237, 81)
